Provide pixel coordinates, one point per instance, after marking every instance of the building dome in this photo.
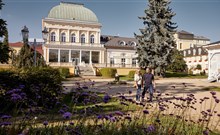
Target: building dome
(72, 11)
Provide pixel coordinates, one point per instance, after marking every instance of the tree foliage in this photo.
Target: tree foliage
(156, 42)
(1, 4)
(4, 48)
(198, 66)
(25, 58)
(178, 64)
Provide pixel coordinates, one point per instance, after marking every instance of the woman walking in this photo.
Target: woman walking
(138, 83)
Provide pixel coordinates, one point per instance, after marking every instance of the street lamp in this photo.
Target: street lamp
(44, 35)
(25, 34)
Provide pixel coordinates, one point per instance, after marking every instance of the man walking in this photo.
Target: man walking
(149, 84)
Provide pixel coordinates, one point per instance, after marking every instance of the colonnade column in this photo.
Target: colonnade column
(58, 55)
(80, 57)
(44, 51)
(90, 57)
(70, 59)
(98, 40)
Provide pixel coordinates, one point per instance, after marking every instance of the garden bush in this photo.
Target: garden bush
(64, 72)
(131, 74)
(30, 87)
(108, 72)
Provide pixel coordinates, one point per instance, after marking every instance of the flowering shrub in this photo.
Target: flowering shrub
(84, 112)
(33, 87)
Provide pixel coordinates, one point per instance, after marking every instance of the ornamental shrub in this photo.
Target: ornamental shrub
(198, 66)
(108, 72)
(131, 74)
(36, 86)
(64, 72)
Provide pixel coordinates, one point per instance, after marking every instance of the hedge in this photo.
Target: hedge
(64, 72)
(108, 72)
(132, 72)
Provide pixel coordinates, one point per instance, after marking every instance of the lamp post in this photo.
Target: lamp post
(34, 52)
(44, 35)
(25, 34)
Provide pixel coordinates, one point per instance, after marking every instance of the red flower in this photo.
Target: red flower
(200, 60)
(194, 60)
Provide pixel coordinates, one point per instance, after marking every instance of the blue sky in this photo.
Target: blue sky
(201, 17)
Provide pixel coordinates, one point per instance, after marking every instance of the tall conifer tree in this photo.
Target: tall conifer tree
(4, 48)
(156, 42)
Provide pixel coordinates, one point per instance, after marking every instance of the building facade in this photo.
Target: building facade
(121, 52)
(74, 36)
(195, 56)
(186, 40)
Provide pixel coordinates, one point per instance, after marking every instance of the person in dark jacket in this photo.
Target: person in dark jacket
(148, 84)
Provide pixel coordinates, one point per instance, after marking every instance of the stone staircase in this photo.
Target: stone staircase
(86, 70)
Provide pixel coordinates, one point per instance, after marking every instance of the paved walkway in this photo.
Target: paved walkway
(175, 87)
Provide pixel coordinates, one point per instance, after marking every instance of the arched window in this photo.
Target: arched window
(92, 39)
(133, 43)
(73, 38)
(53, 37)
(63, 37)
(184, 53)
(194, 51)
(189, 52)
(83, 38)
(200, 51)
(121, 42)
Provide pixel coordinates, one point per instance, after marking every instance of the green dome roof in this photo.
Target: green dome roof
(72, 11)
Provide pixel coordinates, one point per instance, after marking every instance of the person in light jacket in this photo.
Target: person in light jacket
(138, 83)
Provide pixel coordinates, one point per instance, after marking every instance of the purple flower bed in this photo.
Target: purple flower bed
(84, 112)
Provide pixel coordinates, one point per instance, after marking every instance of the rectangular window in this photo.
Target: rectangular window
(53, 55)
(134, 62)
(85, 56)
(180, 45)
(64, 55)
(112, 62)
(95, 57)
(75, 56)
(123, 62)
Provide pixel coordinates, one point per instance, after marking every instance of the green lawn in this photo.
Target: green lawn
(183, 75)
(170, 75)
(125, 78)
(212, 88)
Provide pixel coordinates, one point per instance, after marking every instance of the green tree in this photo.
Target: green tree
(1, 4)
(178, 64)
(25, 58)
(156, 42)
(198, 66)
(4, 48)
